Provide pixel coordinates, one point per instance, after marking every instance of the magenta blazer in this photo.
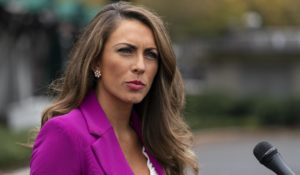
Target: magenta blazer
(82, 142)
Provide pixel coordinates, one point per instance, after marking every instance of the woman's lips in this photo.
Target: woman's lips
(135, 85)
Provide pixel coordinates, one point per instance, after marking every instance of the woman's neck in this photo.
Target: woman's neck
(117, 112)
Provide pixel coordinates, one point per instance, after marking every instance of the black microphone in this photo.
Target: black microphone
(268, 155)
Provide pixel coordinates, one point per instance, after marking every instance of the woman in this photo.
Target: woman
(118, 105)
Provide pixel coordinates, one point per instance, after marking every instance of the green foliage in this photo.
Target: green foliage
(12, 153)
(219, 110)
(279, 112)
(215, 110)
(214, 17)
(204, 17)
(277, 13)
(210, 104)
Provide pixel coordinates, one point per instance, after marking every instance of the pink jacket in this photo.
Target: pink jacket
(82, 142)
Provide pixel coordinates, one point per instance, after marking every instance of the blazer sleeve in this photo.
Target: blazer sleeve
(55, 151)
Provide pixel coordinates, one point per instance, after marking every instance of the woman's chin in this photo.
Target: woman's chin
(134, 100)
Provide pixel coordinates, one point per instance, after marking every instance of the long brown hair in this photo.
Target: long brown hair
(165, 133)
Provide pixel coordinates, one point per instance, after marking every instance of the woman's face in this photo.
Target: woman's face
(129, 62)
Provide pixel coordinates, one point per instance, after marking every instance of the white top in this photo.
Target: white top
(149, 164)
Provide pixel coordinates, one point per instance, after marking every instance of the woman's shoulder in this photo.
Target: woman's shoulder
(71, 123)
(57, 146)
(68, 120)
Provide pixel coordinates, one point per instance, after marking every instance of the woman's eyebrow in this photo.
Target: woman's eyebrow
(135, 47)
(151, 49)
(127, 44)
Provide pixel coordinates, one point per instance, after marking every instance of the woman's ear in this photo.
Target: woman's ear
(96, 69)
(95, 65)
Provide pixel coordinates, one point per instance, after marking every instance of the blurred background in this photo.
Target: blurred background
(240, 61)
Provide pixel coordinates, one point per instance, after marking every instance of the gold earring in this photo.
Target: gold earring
(97, 73)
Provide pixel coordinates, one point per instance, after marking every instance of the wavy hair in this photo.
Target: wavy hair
(165, 133)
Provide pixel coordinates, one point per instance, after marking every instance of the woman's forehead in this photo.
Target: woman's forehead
(132, 32)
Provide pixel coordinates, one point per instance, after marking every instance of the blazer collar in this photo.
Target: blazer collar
(95, 117)
(107, 144)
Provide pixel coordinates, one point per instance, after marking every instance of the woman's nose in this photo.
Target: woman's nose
(139, 65)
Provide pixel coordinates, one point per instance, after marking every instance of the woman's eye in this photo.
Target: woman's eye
(125, 50)
(151, 55)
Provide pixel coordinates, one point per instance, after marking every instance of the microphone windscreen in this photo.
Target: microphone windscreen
(263, 151)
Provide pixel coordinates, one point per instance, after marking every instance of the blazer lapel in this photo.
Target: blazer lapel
(110, 155)
(106, 148)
